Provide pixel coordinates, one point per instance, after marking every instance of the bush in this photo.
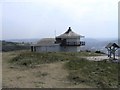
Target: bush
(88, 51)
(99, 52)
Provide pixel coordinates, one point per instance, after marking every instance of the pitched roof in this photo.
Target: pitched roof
(45, 41)
(69, 33)
(112, 44)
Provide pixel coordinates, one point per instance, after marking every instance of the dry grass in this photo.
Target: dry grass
(31, 59)
(45, 75)
(24, 69)
(101, 74)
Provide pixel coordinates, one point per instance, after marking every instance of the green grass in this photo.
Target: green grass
(100, 74)
(28, 58)
(31, 59)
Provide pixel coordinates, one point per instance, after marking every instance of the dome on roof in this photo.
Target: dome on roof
(69, 34)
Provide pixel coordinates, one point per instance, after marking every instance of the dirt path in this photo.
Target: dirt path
(98, 58)
(53, 75)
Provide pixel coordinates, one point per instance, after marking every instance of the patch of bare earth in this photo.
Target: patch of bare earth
(99, 58)
(53, 75)
(56, 76)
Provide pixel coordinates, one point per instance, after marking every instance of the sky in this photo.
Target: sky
(29, 19)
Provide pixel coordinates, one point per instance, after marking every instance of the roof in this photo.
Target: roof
(45, 41)
(69, 34)
(112, 44)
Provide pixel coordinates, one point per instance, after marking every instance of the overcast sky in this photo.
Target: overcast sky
(23, 19)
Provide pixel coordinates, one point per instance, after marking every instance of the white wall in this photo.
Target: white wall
(70, 49)
(73, 40)
(51, 48)
(57, 48)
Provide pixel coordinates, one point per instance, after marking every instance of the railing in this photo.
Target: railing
(81, 43)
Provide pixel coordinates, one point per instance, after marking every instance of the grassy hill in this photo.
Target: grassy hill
(102, 74)
(33, 58)
(12, 46)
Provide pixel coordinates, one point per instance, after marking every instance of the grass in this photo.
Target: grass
(100, 74)
(41, 74)
(31, 59)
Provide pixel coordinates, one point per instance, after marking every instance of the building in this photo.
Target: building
(112, 48)
(67, 42)
(45, 45)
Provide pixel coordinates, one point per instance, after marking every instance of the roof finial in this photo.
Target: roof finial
(68, 30)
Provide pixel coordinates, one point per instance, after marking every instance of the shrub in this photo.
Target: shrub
(99, 52)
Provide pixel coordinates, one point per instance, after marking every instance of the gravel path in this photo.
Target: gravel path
(98, 58)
